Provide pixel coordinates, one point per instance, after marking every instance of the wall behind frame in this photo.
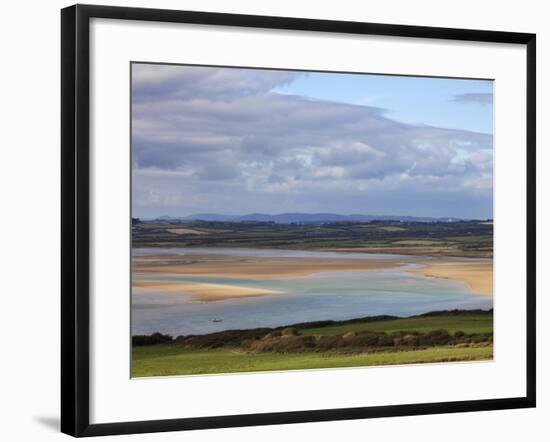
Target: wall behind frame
(29, 189)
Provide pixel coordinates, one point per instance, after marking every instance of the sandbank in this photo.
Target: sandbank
(477, 274)
(205, 291)
(254, 267)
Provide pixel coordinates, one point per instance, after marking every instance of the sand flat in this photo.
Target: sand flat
(238, 266)
(478, 275)
(205, 291)
(183, 231)
(424, 249)
(256, 267)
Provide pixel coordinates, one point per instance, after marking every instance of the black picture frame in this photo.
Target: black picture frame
(75, 212)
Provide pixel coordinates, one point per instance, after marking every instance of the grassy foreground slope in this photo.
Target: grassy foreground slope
(168, 360)
(173, 359)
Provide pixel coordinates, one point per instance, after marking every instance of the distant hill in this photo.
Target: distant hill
(302, 218)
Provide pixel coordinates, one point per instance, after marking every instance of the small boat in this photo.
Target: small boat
(217, 320)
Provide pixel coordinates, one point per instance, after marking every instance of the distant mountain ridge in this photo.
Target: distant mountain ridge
(302, 218)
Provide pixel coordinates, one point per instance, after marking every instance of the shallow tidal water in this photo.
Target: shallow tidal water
(321, 296)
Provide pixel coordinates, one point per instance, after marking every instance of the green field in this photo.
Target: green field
(174, 359)
(460, 238)
(167, 360)
(468, 323)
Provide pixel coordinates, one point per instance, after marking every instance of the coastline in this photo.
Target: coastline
(238, 266)
(205, 291)
(476, 274)
(255, 267)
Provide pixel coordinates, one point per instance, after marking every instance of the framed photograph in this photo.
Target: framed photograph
(272, 220)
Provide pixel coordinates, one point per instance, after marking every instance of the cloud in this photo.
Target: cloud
(175, 82)
(276, 179)
(223, 137)
(480, 98)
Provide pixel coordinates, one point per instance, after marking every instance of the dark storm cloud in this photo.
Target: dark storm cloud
(223, 137)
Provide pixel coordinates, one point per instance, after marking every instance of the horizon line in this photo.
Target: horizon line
(307, 214)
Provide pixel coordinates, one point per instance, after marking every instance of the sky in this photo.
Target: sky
(237, 141)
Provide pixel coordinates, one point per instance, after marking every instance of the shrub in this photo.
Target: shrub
(154, 339)
(435, 337)
(385, 341)
(290, 331)
(329, 342)
(273, 334)
(288, 339)
(230, 338)
(411, 340)
(286, 344)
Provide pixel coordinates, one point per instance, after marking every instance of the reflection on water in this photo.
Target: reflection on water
(329, 295)
(267, 253)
